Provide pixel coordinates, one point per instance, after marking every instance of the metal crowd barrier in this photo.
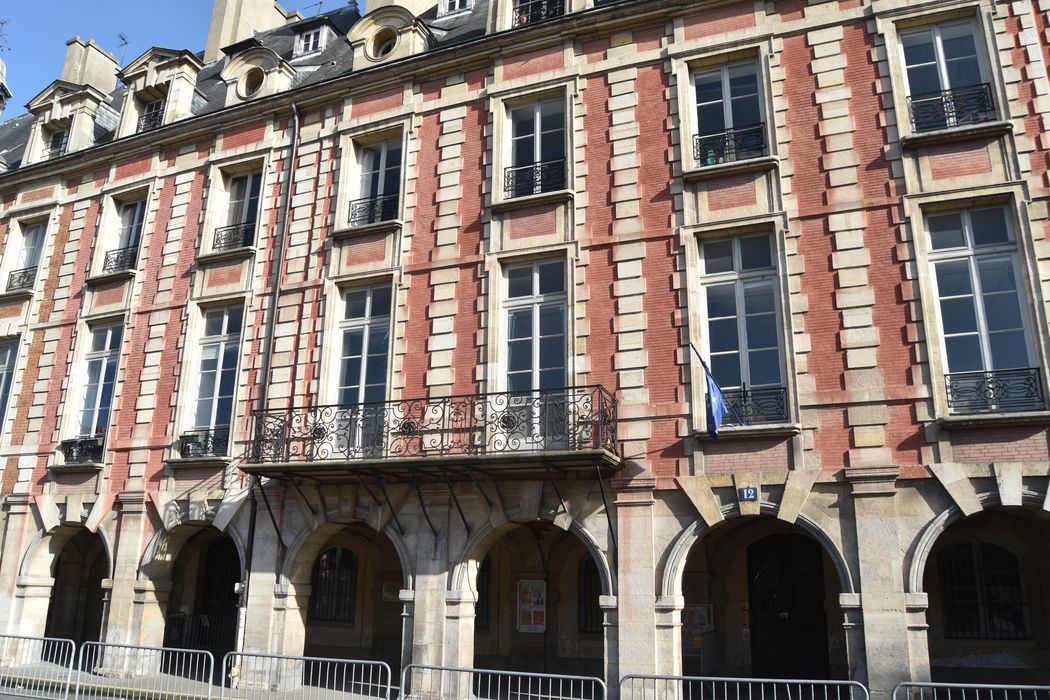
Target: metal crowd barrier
(269, 676)
(638, 687)
(419, 682)
(143, 673)
(969, 691)
(36, 667)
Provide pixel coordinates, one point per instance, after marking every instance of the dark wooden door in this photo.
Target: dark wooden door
(786, 603)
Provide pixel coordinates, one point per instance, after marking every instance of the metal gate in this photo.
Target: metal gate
(36, 667)
(969, 691)
(269, 677)
(420, 682)
(639, 687)
(145, 673)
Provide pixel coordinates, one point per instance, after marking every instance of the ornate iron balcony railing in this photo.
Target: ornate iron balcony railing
(373, 210)
(565, 420)
(151, 121)
(21, 279)
(209, 442)
(83, 450)
(764, 405)
(534, 178)
(232, 237)
(730, 145)
(998, 391)
(956, 107)
(120, 259)
(530, 11)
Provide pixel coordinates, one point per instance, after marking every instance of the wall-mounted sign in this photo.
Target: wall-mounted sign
(748, 493)
(532, 607)
(696, 621)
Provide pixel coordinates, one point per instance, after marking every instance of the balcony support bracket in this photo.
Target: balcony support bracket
(306, 501)
(459, 508)
(426, 516)
(386, 499)
(277, 530)
(557, 491)
(608, 519)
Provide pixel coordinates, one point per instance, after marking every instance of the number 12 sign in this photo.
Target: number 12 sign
(748, 493)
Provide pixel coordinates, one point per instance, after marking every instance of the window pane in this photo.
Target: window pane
(521, 381)
(519, 323)
(1009, 349)
(552, 352)
(996, 275)
(762, 331)
(964, 354)
(552, 277)
(207, 385)
(764, 366)
(234, 316)
(755, 253)
(924, 80)
(519, 282)
(953, 278)
(1002, 312)
(918, 48)
(213, 320)
(223, 411)
(946, 231)
(745, 111)
(958, 315)
(552, 320)
(351, 375)
(726, 369)
(353, 341)
(381, 301)
(709, 87)
(721, 301)
(711, 118)
(722, 335)
(519, 356)
(552, 379)
(989, 226)
(202, 418)
(356, 303)
(718, 256)
(758, 299)
(226, 380)
(964, 72)
(957, 41)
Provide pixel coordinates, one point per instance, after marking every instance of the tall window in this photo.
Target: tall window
(729, 114)
(102, 359)
(243, 212)
(8, 358)
(152, 115)
(982, 592)
(333, 586)
(220, 347)
(744, 332)
(537, 145)
(123, 257)
(589, 588)
(983, 323)
(946, 77)
(57, 141)
(366, 343)
(30, 249)
(380, 186)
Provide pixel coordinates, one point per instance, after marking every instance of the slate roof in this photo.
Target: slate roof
(333, 61)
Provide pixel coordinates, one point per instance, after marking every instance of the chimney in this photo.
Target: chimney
(236, 20)
(88, 64)
(5, 94)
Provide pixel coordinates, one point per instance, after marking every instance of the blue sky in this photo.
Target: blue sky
(38, 29)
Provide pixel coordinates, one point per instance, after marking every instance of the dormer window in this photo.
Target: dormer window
(449, 7)
(152, 116)
(253, 81)
(57, 141)
(310, 42)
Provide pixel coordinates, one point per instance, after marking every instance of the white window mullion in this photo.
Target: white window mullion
(727, 101)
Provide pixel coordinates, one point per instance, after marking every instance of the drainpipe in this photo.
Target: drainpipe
(264, 374)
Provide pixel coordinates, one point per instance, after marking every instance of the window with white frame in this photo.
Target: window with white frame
(220, 347)
(744, 332)
(364, 355)
(379, 188)
(536, 306)
(56, 143)
(984, 324)
(242, 212)
(537, 149)
(8, 359)
(152, 116)
(30, 250)
(946, 78)
(729, 118)
(100, 376)
(310, 41)
(124, 256)
(450, 6)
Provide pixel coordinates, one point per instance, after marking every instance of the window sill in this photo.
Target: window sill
(990, 420)
(955, 133)
(197, 462)
(76, 468)
(103, 277)
(736, 167)
(533, 200)
(240, 253)
(17, 295)
(737, 432)
(367, 229)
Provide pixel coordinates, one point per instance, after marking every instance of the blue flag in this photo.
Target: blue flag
(717, 406)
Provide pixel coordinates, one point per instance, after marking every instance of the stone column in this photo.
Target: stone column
(669, 634)
(611, 627)
(887, 658)
(428, 622)
(459, 628)
(121, 626)
(636, 575)
(12, 551)
(290, 604)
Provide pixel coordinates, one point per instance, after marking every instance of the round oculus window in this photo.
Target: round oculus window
(383, 43)
(253, 81)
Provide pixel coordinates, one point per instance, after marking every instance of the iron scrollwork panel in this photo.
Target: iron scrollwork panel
(997, 391)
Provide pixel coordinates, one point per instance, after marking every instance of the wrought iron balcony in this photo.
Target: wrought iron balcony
(998, 391)
(553, 427)
(233, 237)
(151, 121)
(373, 210)
(54, 152)
(83, 450)
(751, 406)
(730, 145)
(120, 259)
(956, 107)
(531, 11)
(22, 279)
(210, 442)
(534, 178)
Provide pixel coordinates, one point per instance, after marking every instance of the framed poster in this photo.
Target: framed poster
(696, 622)
(532, 607)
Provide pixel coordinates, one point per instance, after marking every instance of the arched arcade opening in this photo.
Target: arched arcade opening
(76, 609)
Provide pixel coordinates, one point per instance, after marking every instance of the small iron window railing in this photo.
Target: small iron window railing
(120, 259)
(209, 442)
(730, 145)
(747, 406)
(233, 237)
(960, 106)
(997, 391)
(535, 178)
(83, 450)
(373, 210)
(532, 11)
(151, 121)
(22, 279)
(54, 152)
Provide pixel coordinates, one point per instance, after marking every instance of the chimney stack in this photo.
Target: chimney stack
(88, 64)
(5, 94)
(236, 20)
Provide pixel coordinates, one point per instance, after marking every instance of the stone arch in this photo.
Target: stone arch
(299, 559)
(43, 549)
(163, 548)
(675, 560)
